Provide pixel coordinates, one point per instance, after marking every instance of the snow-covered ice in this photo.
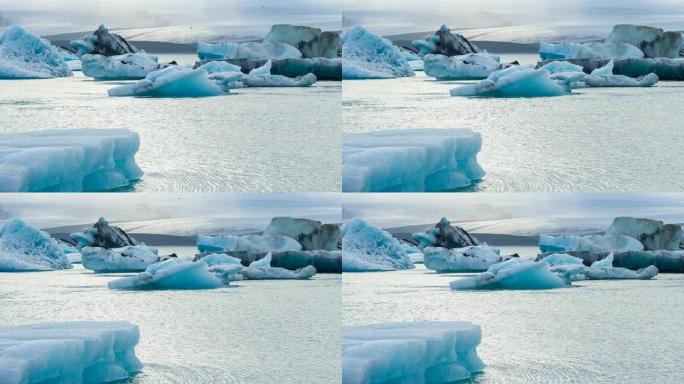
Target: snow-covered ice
(589, 243)
(367, 248)
(172, 81)
(26, 56)
(131, 66)
(512, 274)
(251, 50)
(593, 50)
(125, 259)
(310, 41)
(415, 352)
(248, 243)
(170, 274)
(515, 81)
(445, 42)
(78, 160)
(311, 234)
(366, 55)
(468, 259)
(414, 160)
(444, 234)
(470, 66)
(26, 248)
(73, 352)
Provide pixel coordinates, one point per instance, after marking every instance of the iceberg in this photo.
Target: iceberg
(171, 81)
(444, 42)
(470, 66)
(253, 81)
(251, 50)
(653, 234)
(311, 234)
(366, 55)
(78, 160)
(417, 352)
(248, 243)
(103, 42)
(468, 259)
(561, 66)
(125, 259)
(170, 274)
(263, 70)
(620, 273)
(262, 270)
(417, 65)
(593, 51)
(515, 81)
(131, 66)
(27, 56)
(322, 68)
(604, 77)
(664, 68)
(311, 42)
(415, 160)
(512, 274)
(446, 235)
(367, 248)
(219, 66)
(561, 259)
(25, 248)
(653, 42)
(73, 352)
(218, 259)
(101, 234)
(589, 243)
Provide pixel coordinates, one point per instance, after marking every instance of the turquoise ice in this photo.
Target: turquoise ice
(24, 55)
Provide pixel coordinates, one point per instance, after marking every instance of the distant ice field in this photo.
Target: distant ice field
(594, 140)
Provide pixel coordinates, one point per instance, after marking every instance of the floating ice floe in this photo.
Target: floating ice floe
(172, 81)
(415, 160)
(27, 56)
(323, 261)
(311, 42)
(78, 160)
(470, 66)
(322, 68)
(101, 234)
(417, 352)
(469, 259)
(366, 55)
(311, 234)
(248, 243)
(589, 243)
(561, 66)
(25, 248)
(125, 259)
(103, 42)
(446, 235)
(261, 270)
(218, 259)
(259, 77)
(74, 352)
(593, 51)
(561, 259)
(604, 270)
(367, 248)
(131, 66)
(445, 42)
(251, 50)
(517, 81)
(604, 77)
(170, 274)
(512, 274)
(219, 66)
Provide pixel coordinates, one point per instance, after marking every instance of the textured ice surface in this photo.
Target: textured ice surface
(604, 77)
(589, 243)
(311, 234)
(25, 248)
(473, 258)
(413, 160)
(219, 66)
(120, 67)
(594, 51)
(418, 352)
(74, 352)
(512, 274)
(367, 248)
(170, 274)
(653, 234)
(593, 273)
(444, 42)
(444, 234)
(103, 42)
(562, 66)
(514, 81)
(218, 259)
(470, 66)
(312, 42)
(27, 56)
(68, 160)
(172, 81)
(125, 259)
(653, 42)
(366, 55)
(102, 234)
(277, 81)
(561, 259)
(251, 50)
(263, 70)
(248, 243)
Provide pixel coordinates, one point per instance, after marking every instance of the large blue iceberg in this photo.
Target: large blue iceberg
(25, 248)
(367, 248)
(172, 81)
(79, 160)
(366, 55)
(589, 243)
(512, 274)
(417, 352)
(170, 274)
(27, 56)
(251, 50)
(247, 243)
(517, 81)
(74, 352)
(415, 160)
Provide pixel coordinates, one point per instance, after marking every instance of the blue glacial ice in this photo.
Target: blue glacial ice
(604, 77)
(263, 70)
(247, 243)
(26, 56)
(26, 248)
(416, 160)
(562, 66)
(261, 270)
(367, 248)
(102, 234)
(470, 66)
(132, 258)
(219, 259)
(366, 55)
(468, 259)
(170, 274)
(516, 81)
(561, 259)
(172, 81)
(589, 243)
(130, 66)
(593, 51)
(73, 352)
(251, 50)
(219, 66)
(512, 274)
(78, 160)
(417, 352)
(230, 80)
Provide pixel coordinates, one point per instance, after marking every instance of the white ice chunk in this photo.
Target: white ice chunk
(366, 55)
(593, 51)
(514, 81)
(589, 243)
(605, 70)
(26, 56)
(562, 66)
(121, 67)
(264, 262)
(263, 70)
(470, 66)
(74, 352)
(561, 259)
(25, 248)
(595, 273)
(251, 50)
(172, 81)
(312, 42)
(512, 274)
(227, 272)
(614, 81)
(219, 66)
(170, 274)
(79, 160)
(654, 234)
(606, 262)
(473, 258)
(219, 259)
(270, 273)
(654, 42)
(414, 160)
(416, 65)
(418, 352)
(367, 248)
(248, 243)
(312, 234)
(125, 259)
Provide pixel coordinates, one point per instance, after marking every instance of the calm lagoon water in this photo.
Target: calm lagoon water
(258, 139)
(610, 139)
(254, 332)
(595, 332)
